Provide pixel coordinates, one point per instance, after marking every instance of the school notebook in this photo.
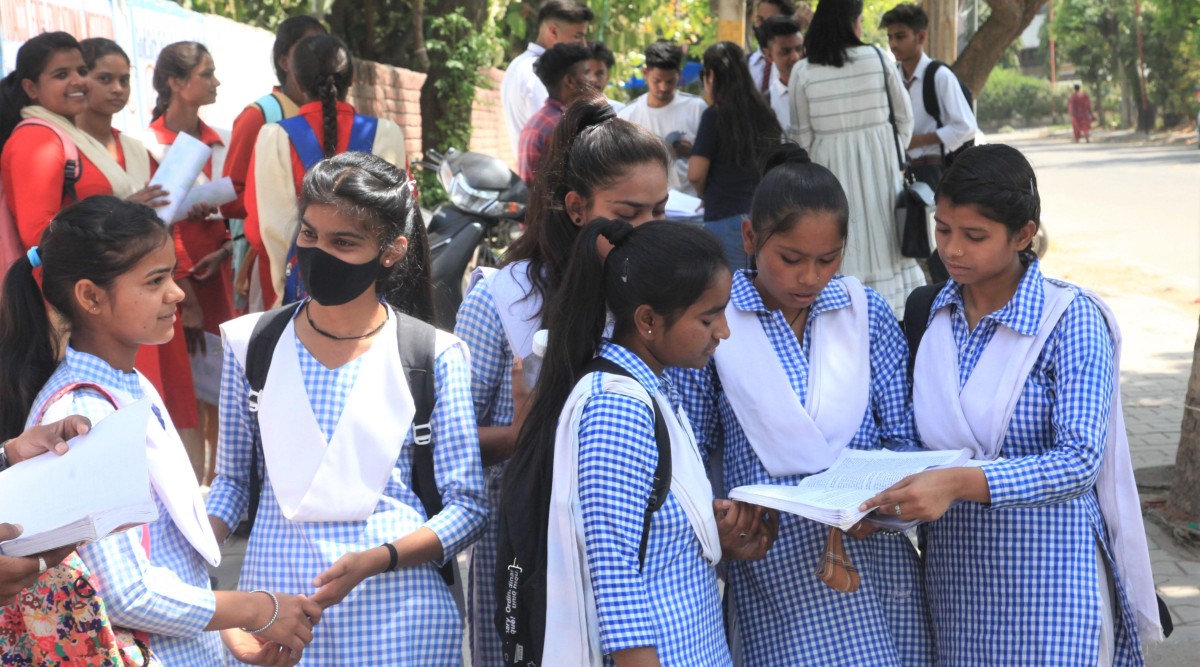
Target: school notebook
(101, 486)
(832, 497)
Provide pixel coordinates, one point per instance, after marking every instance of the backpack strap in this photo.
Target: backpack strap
(259, 351)
(304, 140)
(929, 91)
(72, 165)
(917, 308)
(362, 134)
(417, 340)
(271, 108)
(662, 439)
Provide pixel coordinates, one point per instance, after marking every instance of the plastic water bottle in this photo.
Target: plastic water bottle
(533, 362)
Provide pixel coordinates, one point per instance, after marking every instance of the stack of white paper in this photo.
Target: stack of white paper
(177, 175)
(682, 206)
(99, 487)
(832, 497)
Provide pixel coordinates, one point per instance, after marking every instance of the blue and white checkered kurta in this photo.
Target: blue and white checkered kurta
(673, 603)
(167, 595)
(479, 326)
(786, 615)
(1015, 583)
(398, 618)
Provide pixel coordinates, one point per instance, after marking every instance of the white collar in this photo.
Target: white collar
(535, 48)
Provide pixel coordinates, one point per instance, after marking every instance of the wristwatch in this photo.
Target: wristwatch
(4, 454)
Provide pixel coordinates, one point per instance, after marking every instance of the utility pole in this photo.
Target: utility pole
(943, 29)
(731, 21)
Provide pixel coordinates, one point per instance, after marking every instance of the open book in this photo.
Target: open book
(832, 497)
(99, 487)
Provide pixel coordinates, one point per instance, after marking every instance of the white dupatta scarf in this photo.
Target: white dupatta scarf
(973, 418)
(342, 479)
(791, 437)
(518, 306)
(171, 473)
(572, 627)
(123, 181)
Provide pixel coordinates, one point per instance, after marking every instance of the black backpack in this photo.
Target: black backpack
(934, 108)
(417, 342)
(520, 578)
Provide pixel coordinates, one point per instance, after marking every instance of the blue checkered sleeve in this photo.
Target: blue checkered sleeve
(891, 401)
(140, 595)
(1081, 348)
(456, 461)
(617, 457)
(479, 326)
(238, 438)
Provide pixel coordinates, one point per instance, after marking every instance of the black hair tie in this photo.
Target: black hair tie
(602, 115)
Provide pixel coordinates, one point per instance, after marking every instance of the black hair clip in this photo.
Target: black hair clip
(625, 271)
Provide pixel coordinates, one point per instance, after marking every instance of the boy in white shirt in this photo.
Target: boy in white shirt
(522, 93)
(760, 67)
(783, 43)
(667, 112)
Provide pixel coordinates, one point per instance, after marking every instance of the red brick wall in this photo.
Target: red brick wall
(489, 133)
(395, 93)
(390, 92)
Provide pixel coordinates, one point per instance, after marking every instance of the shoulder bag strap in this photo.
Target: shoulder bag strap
(891, 113)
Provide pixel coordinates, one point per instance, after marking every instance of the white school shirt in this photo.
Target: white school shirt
(958, 119)
(755, 62)
(522, 93)
(781, 103)
(681, 115)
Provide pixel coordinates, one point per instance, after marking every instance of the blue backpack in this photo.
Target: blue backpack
(304, 140)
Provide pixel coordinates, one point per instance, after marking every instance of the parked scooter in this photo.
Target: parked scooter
(482, 217)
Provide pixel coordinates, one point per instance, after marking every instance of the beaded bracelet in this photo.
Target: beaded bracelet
(274, 615)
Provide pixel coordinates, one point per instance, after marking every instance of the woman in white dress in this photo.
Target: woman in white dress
(840, 115)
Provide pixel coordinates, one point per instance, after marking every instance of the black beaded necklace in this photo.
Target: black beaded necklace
(326, 334)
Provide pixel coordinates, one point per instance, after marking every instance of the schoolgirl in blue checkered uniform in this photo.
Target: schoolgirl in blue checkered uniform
(1039, 556)
(791, 307)
(338, 518)
(106, 270)
(503, 308)
(666, 285)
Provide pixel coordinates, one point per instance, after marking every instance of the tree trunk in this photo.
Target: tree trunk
(1008, 19)
(420, 55)
(1184, 501)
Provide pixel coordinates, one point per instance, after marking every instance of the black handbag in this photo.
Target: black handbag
(915, 202)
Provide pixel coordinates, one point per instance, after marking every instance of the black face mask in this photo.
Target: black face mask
(331, 281)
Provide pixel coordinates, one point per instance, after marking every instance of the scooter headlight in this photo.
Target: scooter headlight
(467, 198)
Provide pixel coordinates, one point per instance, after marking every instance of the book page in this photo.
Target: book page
(105, 471)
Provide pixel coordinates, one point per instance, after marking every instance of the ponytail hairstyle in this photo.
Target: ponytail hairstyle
(175, 61)
(324, 69)
(287, 34)
(32, 58)
(793, 186)
(665, 265)
(97, 239)
(95, 48)
(745, 124)
(367, 188)
(831, 32)
(998, 181)
(590, 148)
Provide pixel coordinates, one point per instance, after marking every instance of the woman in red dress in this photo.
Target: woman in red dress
(185, 80)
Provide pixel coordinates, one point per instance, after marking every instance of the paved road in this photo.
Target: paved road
(1136, 204)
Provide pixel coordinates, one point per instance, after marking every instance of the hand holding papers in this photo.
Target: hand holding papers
(833, 497)
(177, 174)
(101, 486)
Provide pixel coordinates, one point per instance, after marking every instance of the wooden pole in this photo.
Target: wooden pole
(943, 29)
(731, 21)
(1053, 67)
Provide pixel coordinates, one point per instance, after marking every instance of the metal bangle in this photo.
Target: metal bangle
(274, 615)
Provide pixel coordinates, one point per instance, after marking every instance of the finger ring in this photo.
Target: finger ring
(41, 565)
(897, 509)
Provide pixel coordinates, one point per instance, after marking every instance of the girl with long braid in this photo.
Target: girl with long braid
(325, 126)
